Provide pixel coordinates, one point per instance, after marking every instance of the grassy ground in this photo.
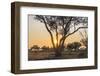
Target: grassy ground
(48, 54)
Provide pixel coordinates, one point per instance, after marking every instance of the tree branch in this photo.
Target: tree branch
(52, 40)
(76, 31)
(63, 23)
(66, 29)
(67, 26)
(56, 36)
(64, 37)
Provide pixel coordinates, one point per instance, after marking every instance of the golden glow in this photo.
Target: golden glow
(38, 35)
(55, 41)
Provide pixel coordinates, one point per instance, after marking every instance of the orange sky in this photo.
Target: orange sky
(38, 34)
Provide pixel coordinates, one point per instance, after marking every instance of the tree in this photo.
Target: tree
(84, 39)
(61, 26)
(74, 45)
(35, 47)
(69, 46)
(45, 47)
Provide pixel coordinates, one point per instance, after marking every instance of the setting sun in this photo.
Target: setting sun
(55, 41)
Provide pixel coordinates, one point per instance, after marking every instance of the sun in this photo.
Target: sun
(55, 41)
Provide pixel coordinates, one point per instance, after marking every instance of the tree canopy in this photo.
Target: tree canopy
(35, 47)
(62, 26)
(74, 45)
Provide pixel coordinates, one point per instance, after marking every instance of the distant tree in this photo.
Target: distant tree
(35, 47)
(61, 25)
(74, 45)
(69, 46)
(84, 38)
(45, 47)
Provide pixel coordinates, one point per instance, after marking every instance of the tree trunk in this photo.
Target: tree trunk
(58, 52)
(60, 47)
(56, 37)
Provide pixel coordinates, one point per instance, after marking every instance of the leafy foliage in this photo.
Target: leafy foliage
(74, 45)
(35, 47)
(45, 47)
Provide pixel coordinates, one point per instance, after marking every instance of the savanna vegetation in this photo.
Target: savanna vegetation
(60, 28)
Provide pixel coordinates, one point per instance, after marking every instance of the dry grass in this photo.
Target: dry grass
(45, 55)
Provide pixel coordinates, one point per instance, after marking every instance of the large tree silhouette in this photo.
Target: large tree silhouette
(60, 27)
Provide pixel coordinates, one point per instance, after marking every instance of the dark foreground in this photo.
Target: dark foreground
(48, 54)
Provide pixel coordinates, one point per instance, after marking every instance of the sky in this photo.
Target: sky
(38, 34)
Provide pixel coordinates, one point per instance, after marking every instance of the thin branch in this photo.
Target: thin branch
(64, 37)
(76, 31)
(67, 25)
(86, 34)
(63, 23)
(56, 36)
(66, 29)
(81, 35)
